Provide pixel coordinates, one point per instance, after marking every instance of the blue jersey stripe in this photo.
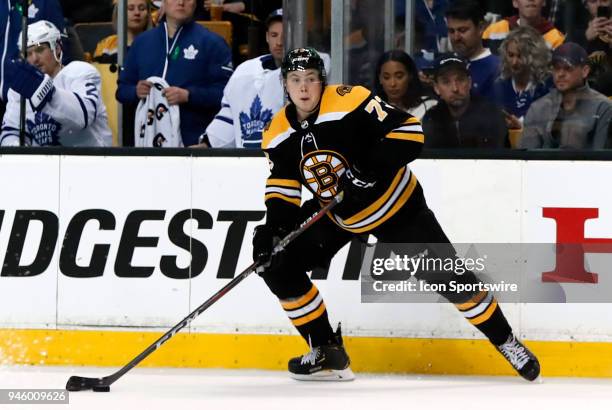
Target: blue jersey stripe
(83, 108)
(224, 119)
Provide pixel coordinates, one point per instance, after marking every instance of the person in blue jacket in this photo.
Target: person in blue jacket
(194, 61)
(10, 21)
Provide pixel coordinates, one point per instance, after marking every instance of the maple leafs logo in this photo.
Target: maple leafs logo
(252, 125)
(44, 130)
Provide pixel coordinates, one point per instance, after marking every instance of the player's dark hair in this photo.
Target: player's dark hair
(466, 10)
(414, 92)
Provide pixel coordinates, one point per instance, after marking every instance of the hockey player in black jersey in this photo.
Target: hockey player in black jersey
(333, 138)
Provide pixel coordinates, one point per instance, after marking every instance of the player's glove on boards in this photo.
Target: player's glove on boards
(29, 82)
(265, 239)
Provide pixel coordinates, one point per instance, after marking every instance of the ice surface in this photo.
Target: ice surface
(178, 389)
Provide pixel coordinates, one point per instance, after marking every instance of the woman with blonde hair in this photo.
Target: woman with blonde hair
(525, 73)
(138, 20)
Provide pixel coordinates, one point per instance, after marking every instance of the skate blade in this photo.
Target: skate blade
(345, 375)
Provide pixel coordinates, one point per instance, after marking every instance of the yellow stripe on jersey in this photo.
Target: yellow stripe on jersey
(287, 183)
(398, 193)
(291, 200)
(289, 190)
(411, 121)
(276, 129)
(409, 130)
(342, 99)
(407, 136)
(380, 202)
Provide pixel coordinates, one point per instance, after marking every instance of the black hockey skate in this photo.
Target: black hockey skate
(326, 363)
(521, 358)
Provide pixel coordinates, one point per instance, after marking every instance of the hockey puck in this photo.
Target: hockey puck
(101, 388)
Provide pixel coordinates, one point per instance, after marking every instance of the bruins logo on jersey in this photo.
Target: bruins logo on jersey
(343, 90)
(321, 170)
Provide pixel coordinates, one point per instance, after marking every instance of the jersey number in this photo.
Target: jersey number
(375, 105)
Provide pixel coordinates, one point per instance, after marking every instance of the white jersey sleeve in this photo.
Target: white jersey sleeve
(221, 130)
(76, 106)
(9, 136)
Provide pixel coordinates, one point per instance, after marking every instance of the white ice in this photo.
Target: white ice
(178, 389)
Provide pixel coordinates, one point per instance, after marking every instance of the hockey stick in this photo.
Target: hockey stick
(24, 55)
(77, 383)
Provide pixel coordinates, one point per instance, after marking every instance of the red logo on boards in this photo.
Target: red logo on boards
(572, 245)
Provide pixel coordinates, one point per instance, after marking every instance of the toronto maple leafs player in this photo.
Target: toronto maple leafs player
(64, 104)
(252, 96)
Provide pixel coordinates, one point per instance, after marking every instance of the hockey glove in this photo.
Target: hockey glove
(264, 241)
(357, 186)
(29, 82)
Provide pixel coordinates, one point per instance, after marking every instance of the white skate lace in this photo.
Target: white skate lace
(514, 352)
(311, 357)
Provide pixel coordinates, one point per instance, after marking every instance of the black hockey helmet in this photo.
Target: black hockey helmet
(301, 59)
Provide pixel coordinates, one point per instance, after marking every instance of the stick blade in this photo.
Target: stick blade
(78, 383)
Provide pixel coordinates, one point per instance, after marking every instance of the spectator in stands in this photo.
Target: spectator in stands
(397, 82)
(596, 33)
(529, 14)
(431, 24)
(138, 20)
(461, 120)
(465, 20)
(64, 105)
(194, 61)
(525, 75)
(572, 115)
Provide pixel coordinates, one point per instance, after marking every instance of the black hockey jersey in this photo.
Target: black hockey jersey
(352, 127)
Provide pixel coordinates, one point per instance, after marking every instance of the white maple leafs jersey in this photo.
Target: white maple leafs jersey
(75, 115)
(253, 94)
